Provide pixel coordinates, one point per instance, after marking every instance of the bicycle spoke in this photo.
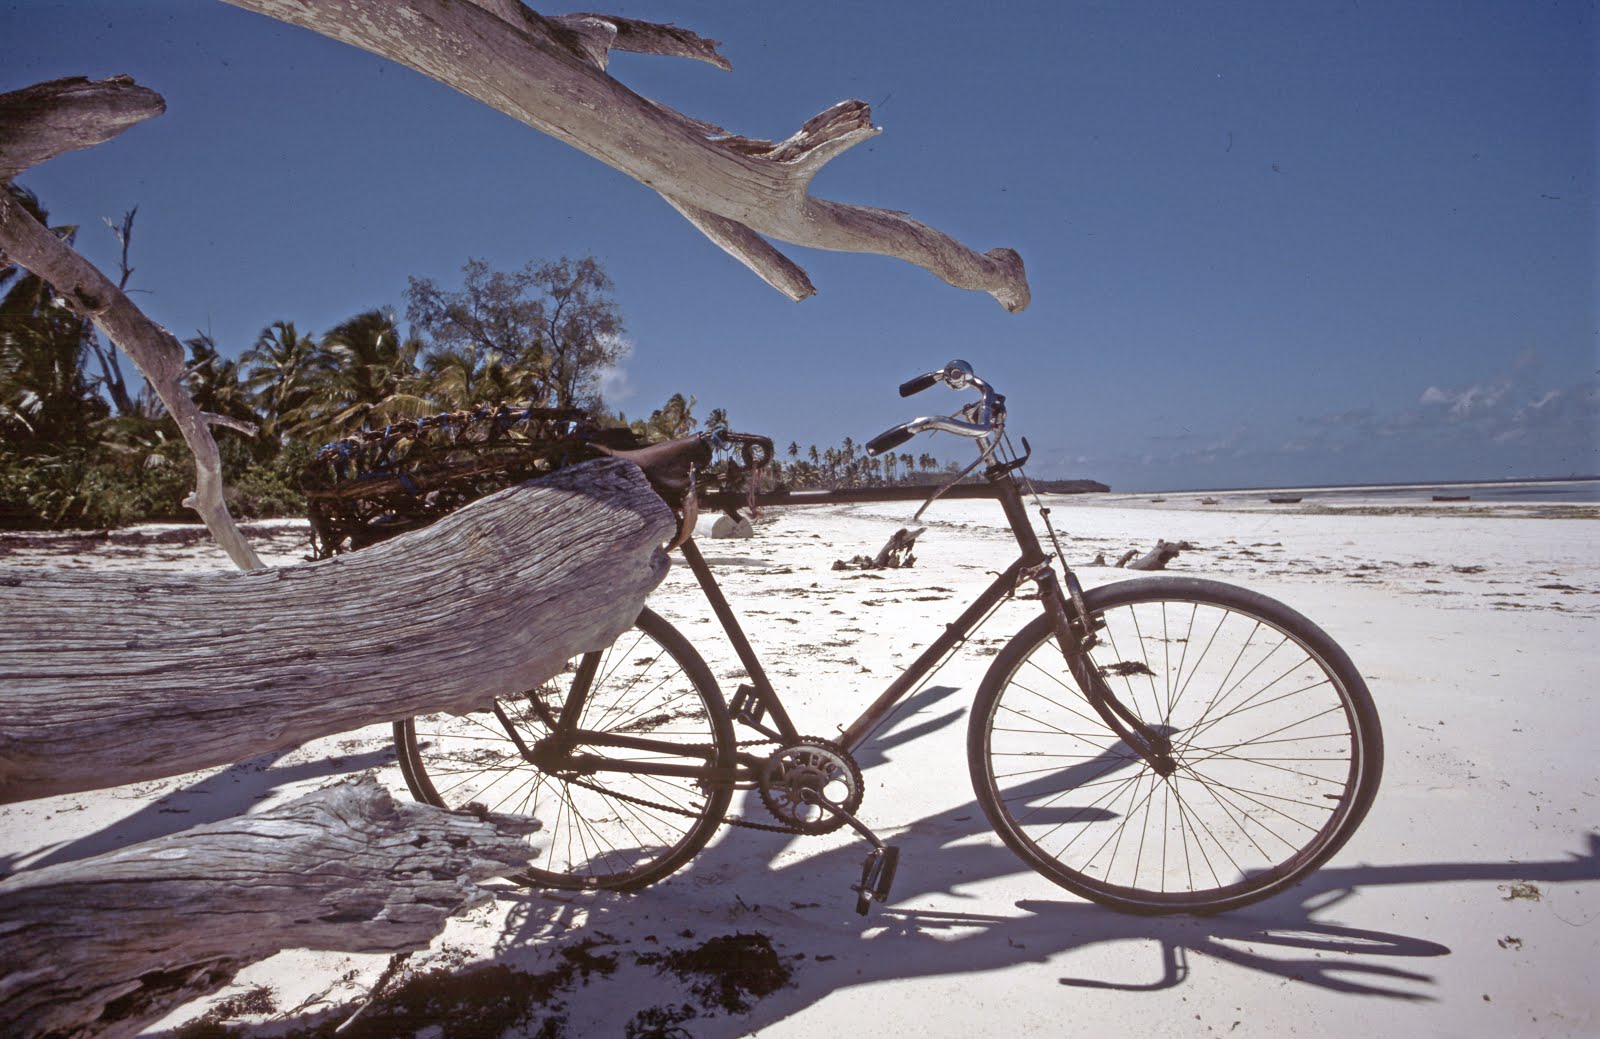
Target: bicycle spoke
(606, 824)
(1262, 733)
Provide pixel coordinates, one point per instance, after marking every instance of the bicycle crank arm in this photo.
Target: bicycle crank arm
(877, 872)
(812, 797)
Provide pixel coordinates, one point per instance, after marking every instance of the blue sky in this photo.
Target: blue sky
(1269, 243)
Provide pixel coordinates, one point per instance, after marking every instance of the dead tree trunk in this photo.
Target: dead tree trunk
(550, 73)
(112, 678)
(105, 946)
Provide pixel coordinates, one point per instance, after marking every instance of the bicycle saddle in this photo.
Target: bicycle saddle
(668, 466)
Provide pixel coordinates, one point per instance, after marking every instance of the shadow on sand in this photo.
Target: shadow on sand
(759, 883)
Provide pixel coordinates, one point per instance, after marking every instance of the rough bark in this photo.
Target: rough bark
(38, 123)
(113, 678)
(107, 945)
(550, 73)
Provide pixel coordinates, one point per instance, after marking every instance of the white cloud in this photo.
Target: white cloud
(614, 385)
(1470, 401)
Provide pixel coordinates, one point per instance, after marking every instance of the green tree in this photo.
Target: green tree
(46, 396)
(582, 328)
(215, 383)
(284, 369)
(543, 333)
(371, 378)
(672, 420)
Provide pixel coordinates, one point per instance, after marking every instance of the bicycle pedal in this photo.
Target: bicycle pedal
(877, 877)
(749, 707)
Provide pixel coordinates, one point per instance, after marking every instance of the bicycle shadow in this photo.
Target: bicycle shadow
(757, 881)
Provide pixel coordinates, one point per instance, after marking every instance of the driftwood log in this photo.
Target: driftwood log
(895, 553)
(550, 73)
(1155, 559)
(113, 678)
(106, 946)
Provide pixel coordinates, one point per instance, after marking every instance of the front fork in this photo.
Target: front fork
(1075, 632)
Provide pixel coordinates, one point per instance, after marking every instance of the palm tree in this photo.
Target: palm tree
(672, 420)
(284, 368)
(372, 378)
(214, 382)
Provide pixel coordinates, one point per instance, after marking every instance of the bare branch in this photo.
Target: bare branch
(550, 74)
(249, 429)
(89, 293)
(38, 123)
(630, 34)
(750, 249)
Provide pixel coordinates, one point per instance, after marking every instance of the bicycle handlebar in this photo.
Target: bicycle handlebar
(984, 417)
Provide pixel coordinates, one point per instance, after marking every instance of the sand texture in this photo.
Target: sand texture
(1468, 904)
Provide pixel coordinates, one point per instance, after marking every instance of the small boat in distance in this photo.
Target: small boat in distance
(1283, 501)
(1452, 497)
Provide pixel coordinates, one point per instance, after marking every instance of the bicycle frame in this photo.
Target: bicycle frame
(760, 707)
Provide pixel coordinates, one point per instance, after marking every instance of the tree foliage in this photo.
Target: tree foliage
(543, 333)
(78, 449)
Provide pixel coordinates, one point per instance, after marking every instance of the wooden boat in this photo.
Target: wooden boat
(1284, 501)
(1452, 497)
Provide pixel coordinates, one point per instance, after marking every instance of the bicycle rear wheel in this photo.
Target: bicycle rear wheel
(1276, 739)
(601, 828)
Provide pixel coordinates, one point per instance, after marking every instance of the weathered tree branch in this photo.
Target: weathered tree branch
(112, 678)
(91, 115)
(105, 946)
(38, 123)
(550, 73)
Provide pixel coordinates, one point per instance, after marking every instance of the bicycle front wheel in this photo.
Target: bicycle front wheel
(651, 702)
(1275, 737)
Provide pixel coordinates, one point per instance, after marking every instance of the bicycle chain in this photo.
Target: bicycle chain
(726, 820)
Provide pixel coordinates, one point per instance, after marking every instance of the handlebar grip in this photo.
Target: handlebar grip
(918, 384)
(889, 440)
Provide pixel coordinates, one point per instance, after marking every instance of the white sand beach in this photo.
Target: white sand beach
(1468, 903)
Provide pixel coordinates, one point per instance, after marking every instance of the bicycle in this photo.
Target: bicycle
(1157, 745)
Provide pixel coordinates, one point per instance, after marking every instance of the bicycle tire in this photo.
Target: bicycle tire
(1276, 738)
(600, 829)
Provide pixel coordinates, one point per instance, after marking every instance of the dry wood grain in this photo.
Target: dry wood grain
(550, 73)
(113, 678)
(105, 946)
(39, 122)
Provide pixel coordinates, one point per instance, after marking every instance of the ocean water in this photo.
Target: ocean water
(1528, 492)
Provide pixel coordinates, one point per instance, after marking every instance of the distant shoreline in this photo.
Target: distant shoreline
(1375, 486)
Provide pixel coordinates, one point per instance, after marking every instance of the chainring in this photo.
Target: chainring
(810, 765)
